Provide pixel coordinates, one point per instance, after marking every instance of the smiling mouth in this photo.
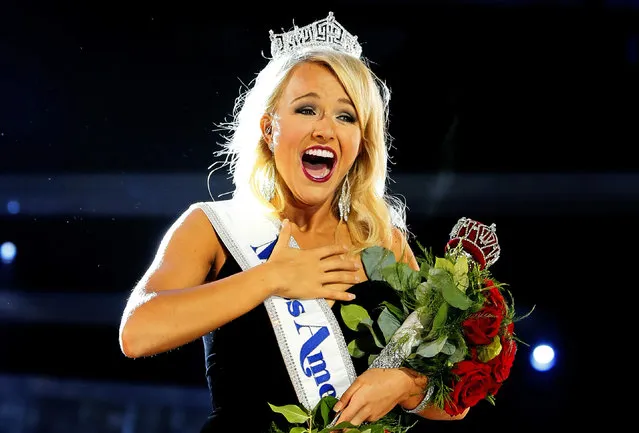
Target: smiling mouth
(318, 163)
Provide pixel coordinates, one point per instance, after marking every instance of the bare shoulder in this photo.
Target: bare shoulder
(191, 229)
(188, 250)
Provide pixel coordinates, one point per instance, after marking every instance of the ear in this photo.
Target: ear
(266, 125)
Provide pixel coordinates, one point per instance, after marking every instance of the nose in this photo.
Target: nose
(323, 129)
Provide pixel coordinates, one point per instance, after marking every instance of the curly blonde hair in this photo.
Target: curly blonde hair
(375, 214)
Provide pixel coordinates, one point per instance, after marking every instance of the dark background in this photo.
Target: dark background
(521, 113)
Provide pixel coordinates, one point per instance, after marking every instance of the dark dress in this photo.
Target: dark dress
(242, 384)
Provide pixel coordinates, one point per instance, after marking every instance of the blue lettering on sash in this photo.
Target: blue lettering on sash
(264, 251)
(295, 308)
(309, 353)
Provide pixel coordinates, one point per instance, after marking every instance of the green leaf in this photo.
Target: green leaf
(423, 291)
(368, 324)
(291, 412)
(377, 428)
(461, 349)
(432, 348)
(460, 275)
(401, 276)
(424, 268)
(443, 280)
(376, 258)
(345, 424)
(445, 264)
(440, 317)
(395, 310)
(354, 350)
(387, 323)
(371, 358)
(425, 318)
(298, 430)
(353, 315)
(448, 348)
(326, 405)
(487, 352)
(390, 274)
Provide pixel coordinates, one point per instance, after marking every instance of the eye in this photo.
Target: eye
(307, 111)
(346, 117)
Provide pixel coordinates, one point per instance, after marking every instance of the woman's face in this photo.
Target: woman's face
(316, 134)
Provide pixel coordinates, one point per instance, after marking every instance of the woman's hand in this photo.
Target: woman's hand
(324, 272)
(373, 394)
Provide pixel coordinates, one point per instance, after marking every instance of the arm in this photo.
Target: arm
(171, 305)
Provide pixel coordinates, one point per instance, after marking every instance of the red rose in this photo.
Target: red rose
(481, 326)
(502, 363)
(474, 382)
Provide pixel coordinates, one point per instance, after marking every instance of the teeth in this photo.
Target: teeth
(320, 152)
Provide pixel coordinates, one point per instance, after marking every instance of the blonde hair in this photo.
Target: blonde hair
(374, 212)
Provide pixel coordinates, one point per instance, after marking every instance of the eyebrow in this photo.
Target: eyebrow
(316, 96)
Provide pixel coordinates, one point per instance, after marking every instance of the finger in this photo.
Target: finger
(337, 287)
(340, 277)
(339, 263)
(346, 397)
(359, 418)
(284, 236)
(339, 296)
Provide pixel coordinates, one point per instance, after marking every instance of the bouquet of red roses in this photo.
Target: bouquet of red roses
(454, 322)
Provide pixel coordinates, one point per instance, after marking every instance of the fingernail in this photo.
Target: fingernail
(351, 296)
(338, 406)
(285, 221)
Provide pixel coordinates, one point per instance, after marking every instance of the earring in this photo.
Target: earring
(344, 202)
(267, 187)
(271, 144)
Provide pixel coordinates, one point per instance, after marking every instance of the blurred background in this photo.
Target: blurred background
(518, 113)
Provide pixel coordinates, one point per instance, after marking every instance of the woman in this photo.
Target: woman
(308, 154)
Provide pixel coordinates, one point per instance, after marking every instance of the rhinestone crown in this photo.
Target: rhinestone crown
(477, 239)
(326, 32)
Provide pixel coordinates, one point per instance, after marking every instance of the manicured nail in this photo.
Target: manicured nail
(338, 406)
(351, 296)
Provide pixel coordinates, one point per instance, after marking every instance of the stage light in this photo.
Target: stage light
(7, 252)
(542, 357)
(13, 207)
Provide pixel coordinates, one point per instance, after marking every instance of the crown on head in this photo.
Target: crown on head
(326, 33)
(477, 239)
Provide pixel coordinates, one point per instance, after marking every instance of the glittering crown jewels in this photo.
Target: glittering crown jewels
(477, 239)
(323, 33)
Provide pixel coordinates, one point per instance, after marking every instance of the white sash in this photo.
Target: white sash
(309, 337)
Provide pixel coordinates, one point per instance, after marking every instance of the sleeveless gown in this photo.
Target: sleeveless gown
(245, 370)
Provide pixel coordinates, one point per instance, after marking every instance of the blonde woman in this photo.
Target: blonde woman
(259, 277)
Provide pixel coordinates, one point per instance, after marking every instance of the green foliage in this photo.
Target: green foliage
(444, 292)
(319, 419)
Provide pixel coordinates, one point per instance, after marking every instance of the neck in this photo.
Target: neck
(316, 219)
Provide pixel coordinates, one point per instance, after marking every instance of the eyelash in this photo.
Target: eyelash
(349, 118)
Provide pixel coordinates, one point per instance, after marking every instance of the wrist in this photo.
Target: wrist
(417, 384)
(270, 280)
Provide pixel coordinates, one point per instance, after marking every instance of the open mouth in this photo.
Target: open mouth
(318, 163)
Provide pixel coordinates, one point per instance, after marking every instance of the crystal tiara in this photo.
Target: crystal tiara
(323, 33)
